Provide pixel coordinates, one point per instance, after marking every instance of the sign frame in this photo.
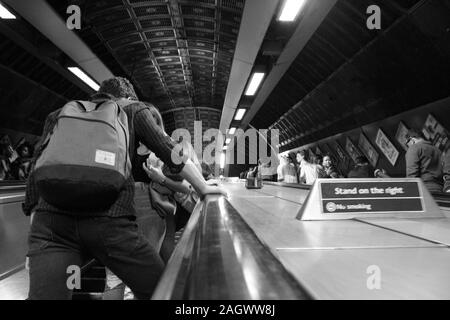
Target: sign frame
(387, 147)
(312, 208)
(400, 135)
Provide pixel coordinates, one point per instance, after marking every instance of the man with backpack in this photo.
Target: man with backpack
(81, 191)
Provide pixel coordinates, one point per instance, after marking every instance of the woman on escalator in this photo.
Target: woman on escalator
(155, 199)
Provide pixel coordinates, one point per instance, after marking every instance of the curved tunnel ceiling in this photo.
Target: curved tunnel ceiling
(178, 53)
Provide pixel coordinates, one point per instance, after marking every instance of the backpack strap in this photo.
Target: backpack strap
(87, 106)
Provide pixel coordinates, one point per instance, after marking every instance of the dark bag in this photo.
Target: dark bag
(162, 200)
(187, 201)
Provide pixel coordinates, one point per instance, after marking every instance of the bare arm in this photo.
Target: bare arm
(157, 175)
(195, 178)
(156, 140)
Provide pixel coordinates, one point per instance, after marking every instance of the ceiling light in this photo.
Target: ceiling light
(257, 78)
(84, 77)
(5, 13)
(232, 131)
(228, 141)
(291, 9)
(225, 148)
(240, 114)
(222, 161)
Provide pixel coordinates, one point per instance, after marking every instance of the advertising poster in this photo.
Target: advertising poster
(386, 146)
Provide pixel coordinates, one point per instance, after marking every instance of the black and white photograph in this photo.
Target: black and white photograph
(387, 147)
(402, 135)
(369, 151)
(223, 158)
(435, 132)
(352, 150)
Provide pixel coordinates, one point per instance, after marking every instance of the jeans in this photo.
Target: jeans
(57, 242)
(153, 228)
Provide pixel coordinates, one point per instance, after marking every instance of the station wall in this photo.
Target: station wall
(413, 119)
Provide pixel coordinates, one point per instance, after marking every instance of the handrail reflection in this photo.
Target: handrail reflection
(7, 186)
(220, 258)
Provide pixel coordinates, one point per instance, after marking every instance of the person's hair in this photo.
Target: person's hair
(319, 158)
(304, 155)
(118, 87)
(156, 115)
(414, 133)
(27, 145)
(362, 160)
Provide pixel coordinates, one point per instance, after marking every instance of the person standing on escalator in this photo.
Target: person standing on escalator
(423, 160)
(59, 238)
(308, 172)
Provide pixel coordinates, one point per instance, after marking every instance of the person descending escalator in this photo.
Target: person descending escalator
(362, 169)
(288, 171)
(22, 165)
(156, 196)
(329, 171)
(308, 172)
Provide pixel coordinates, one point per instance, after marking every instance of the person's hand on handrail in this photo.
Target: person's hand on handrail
(195, 178)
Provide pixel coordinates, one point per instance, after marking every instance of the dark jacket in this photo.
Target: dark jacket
(447, 171)
(423, 160)
(361, 171)
(330, 173)
(142, 128)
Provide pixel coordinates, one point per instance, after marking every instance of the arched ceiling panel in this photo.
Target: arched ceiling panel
(178, 53)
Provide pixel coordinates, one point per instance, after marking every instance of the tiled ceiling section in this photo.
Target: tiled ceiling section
(29, 88)
(184, 118)
(178, 53)
(348, 75)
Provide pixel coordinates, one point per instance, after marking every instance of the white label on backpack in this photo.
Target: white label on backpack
(105, 157)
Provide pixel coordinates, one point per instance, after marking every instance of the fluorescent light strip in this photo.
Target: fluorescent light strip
(84, 77)
(257, 78)
(291, 9)
(232, 131)
(240, 114)
(5, 13)
(222, 161)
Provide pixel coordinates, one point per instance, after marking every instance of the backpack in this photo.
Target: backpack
(85, 160)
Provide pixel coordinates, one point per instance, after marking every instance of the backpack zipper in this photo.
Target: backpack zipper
(90, 120)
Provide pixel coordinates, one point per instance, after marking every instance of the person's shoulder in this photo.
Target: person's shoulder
(415, 147)
(135, 106)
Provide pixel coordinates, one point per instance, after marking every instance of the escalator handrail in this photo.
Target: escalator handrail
(289, 185)
(219, 257)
